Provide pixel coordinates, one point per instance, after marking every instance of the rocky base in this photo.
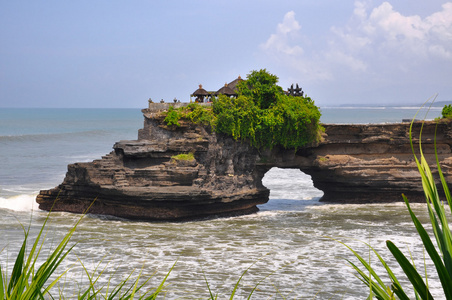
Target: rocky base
(141, 210)
(145, 179)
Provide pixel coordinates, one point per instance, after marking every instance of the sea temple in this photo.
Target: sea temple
(142, 179)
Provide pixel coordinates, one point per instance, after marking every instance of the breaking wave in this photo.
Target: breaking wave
(19, 203)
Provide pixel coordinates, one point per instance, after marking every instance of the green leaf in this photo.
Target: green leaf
(17, 273)
(378, 287)
(2, 286)
(410, 272)
(443, 274)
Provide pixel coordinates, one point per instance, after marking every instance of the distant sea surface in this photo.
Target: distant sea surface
(287, 236)
(380, 114)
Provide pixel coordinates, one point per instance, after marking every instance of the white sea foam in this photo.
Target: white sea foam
(85, 158)
(354, 107)
(416, 108)
(19, 203)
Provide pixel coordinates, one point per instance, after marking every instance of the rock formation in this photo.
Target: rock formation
(145, 179)
(371, 163)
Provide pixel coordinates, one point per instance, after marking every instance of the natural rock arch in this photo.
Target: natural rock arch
(290, 184)
(142, 179)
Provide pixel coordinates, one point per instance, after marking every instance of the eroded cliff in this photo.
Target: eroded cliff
(143, 179)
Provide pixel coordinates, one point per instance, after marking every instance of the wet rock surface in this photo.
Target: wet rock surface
(144, 179)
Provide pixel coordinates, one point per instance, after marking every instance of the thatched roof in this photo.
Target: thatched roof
(233, 84)
(201, 92)
(226, 90)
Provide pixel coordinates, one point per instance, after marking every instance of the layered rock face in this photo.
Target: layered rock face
(143, 179)
(370, 163)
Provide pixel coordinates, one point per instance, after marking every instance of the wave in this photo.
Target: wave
(416, 108)
(19, 203)
(85, 158)
(51, 136)
(354, 107)
(381, 107)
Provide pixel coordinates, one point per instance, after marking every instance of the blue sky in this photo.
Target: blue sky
(118, 54)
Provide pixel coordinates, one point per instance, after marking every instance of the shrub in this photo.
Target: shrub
(194, 112)
(172, 117)
(447, 111)
(183, 156)
(265, 117)
(198, 114)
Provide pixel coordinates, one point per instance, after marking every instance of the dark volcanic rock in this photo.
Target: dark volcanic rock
(140, 179)
(375, 163)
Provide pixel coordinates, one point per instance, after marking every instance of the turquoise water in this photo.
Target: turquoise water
(288, 236)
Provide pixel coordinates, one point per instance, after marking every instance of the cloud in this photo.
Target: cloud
(346, 60)
(394, 25)
(378, 47)
(285, 48)
(389, 32)
(286, 33)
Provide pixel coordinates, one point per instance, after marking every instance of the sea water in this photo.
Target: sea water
(291, 246)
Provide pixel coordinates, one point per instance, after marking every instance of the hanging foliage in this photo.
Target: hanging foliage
(262, 114)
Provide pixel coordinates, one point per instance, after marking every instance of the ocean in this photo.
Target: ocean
(290, 245)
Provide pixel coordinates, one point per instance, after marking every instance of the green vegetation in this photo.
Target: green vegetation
(447, 111)
(440, 255)
(172, 117)
(183, 156)
(323, 158)
(194, 112)
(28, 281)
(262, 114)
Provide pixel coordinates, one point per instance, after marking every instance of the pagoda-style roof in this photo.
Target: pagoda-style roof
(229, 89)
(226, 90)
(201, 92)
(233, 84)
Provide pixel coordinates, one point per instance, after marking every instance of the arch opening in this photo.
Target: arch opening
(289, 187)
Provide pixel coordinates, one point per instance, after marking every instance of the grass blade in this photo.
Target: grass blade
(378, 287)
(212, 297)
(431, 250)
(161, 286)
(241, 277)
(17, 272)
(412, 274)
(2, 286)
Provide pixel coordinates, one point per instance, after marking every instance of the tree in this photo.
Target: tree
(265, 116)
(262, 87)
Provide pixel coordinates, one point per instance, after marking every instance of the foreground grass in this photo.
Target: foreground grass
(28, 281)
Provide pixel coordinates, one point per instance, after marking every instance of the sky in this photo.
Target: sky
(118, 54)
